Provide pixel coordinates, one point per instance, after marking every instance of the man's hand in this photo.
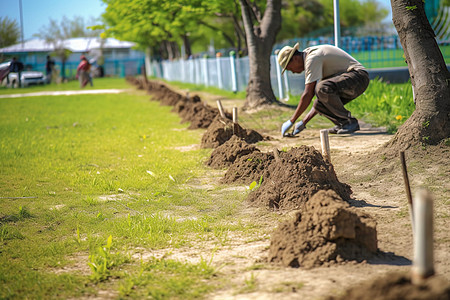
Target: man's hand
(299, 126)
(285, 127)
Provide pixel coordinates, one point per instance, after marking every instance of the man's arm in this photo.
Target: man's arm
(305, 100)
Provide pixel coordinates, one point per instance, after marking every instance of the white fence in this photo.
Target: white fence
(227, 73)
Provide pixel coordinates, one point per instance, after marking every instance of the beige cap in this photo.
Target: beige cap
(285, 55)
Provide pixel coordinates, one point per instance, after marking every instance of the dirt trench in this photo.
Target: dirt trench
(325, 255)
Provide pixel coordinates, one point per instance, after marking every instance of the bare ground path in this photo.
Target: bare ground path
(64, 93)
(378, 190)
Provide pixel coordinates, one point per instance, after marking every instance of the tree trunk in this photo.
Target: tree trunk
(430, 122)
(187, 46)
(260, 41)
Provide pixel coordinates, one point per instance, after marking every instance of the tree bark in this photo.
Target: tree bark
(187, 46)
(430, 122)
(260, 35)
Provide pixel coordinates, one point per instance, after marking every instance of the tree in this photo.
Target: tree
(56, 33)
(9, 32)
(430, 122)
(152, 23)
(261, 31)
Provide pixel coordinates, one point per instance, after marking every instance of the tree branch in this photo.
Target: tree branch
(226, 36)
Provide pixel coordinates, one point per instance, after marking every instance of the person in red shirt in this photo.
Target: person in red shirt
(83, 71)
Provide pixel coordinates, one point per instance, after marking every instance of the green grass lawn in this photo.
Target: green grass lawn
(99, 83)
(389, 58)
(87, 181)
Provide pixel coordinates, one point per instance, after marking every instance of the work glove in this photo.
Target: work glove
(285, 127)
(299, 126)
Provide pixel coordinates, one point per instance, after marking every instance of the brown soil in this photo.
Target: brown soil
(224, 155)
(221, 130)
(394, 286)
(190, 109)
(295, 177)
(248, 168)
(326, 230)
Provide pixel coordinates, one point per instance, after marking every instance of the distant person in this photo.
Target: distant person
(83, 71)
(49, 66)
(16, 67)
(333, 76)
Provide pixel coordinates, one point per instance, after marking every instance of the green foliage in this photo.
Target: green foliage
(384, 104)
(301, 17)
(9, 32)
(413, 7)
(23, 213)
(254, 185)
(102, 260)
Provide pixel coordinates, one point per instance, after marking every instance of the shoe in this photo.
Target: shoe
(335, 129)
(349, 127)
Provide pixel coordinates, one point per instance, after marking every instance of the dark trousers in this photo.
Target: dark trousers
(334, 92)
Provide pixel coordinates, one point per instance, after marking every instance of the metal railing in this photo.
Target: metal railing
(231, 73)
(111, 67)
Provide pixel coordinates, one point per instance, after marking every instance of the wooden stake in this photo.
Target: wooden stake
(423, 237)
(235, 121)
(187, 95)
(276, 154)
(221, 112)
(407, 188)
(235, 115)
(325, 144)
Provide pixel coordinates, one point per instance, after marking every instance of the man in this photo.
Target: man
(16, 67)
(49, 65)
(333, 76)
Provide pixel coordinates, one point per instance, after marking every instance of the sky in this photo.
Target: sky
(36, 13)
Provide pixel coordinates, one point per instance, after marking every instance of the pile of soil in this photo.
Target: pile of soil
(249, 168)
(295, 177)
(327, 230)
(224, 155)
(201, 115)
(221, 130)
(398, 286)
(190, 109)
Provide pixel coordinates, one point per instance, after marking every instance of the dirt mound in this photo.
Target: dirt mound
(201, 115)
(190, 109)
(221, 130)
(327, 230)
(249, 168)
(398, 286)
(224, 155)
(299, 174)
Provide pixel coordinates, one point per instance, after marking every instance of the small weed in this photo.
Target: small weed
(23, 213)
(403, 213)
(254, 185)
(426, 124)
(413, 7)
(89, 201)
(78, 237)
(256, 267)
(103, 260)
(250, 284)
